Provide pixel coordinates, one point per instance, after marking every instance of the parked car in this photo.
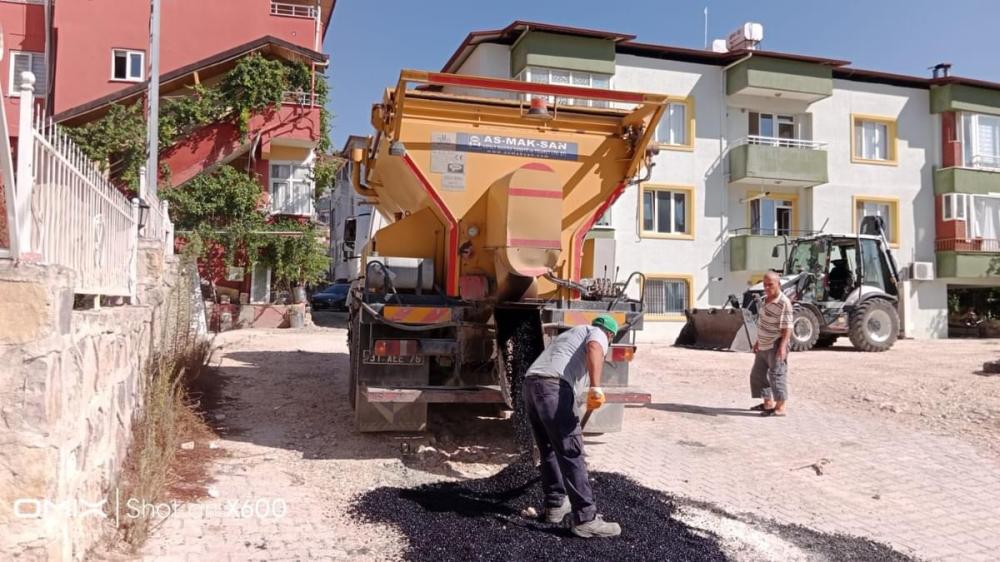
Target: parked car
(333, 297)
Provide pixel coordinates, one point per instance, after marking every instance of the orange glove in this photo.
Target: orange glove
(595, 398)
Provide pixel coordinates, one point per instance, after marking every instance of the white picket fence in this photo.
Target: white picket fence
(69, 214)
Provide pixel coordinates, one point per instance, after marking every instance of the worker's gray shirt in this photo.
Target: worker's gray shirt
(566, 356)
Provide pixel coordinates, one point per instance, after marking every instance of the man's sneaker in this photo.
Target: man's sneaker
(597, 528)
(557, 514)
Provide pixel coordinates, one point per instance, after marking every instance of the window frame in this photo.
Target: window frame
(525, 76)
(777, 198)
(687, 279)
(958, 201)
(128, 64)
(689, 128)
(689, 219)
(15, 90)
(892, 202)
(289, 181)
(892, 139)
(965, 119)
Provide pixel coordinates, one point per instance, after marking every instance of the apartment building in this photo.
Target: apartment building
(758, 145)
(90, 55)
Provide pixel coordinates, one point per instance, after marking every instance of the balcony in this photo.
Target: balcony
(974, 258)
(749, 250)
(982, 179)
(756, 161)
(292, 10)
(770, 78)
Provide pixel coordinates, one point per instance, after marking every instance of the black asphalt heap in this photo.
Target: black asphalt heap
(481, 520)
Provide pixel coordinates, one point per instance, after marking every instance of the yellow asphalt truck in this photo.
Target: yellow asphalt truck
(487, 189)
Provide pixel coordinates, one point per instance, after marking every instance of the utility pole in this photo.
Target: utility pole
(153, 101)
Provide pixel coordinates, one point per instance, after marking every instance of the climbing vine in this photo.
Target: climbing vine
(224, 210)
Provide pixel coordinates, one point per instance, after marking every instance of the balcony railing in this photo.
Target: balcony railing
(776, 232)
(985, 161)
(301, 98)
(983, 245)
(781, 142)
(292, 10)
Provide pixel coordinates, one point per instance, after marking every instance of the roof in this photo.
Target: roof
(352, 142)
(267, 43)
(626, 44)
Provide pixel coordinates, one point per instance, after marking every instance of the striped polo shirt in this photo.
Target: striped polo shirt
(776, 316)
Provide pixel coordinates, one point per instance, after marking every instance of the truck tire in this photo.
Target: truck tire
(825, 341)
(805, 329)
(874, 325)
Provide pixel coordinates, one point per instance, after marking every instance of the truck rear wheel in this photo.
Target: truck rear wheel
(874, 325)
(805, 329)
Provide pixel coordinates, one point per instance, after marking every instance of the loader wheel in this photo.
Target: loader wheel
(825, 341)
(874, 325)
(805, 329)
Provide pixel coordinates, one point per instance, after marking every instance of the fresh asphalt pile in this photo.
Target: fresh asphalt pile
(481, 520)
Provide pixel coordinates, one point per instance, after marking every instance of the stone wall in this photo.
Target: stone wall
(70, 384)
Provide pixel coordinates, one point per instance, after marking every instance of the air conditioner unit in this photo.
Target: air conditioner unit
(922, 271)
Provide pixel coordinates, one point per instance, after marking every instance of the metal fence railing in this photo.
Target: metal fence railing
(984, 245)
(300, 98)
(781, 142)
(67, 213)
(292, 10)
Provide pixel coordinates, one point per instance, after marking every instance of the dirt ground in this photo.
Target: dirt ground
(935, 385)
(287, 431)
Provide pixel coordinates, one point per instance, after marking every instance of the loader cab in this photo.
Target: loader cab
(841, 264)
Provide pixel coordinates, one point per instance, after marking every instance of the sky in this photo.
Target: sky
(370, 41)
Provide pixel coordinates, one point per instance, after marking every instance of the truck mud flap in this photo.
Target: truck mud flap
(724, 329)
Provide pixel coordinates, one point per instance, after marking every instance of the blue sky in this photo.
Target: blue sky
(369, 41)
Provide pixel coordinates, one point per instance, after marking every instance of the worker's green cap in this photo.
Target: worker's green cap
(607, 322)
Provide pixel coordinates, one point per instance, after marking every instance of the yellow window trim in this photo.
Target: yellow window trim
(893, 214)
(688, 145)
(689, 212)
(687, 278)
(793, 197)
(890, 123)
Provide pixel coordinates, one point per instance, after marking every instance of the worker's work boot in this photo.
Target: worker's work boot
(596, 528)
(557, 514)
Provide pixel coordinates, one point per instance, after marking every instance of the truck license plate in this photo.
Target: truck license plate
(370, 359)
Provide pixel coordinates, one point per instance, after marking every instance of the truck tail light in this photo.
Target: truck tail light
(395, 348)
(622, 352)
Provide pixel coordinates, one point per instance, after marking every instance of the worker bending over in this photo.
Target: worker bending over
(550, 396)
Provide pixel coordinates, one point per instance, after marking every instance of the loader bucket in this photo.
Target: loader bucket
(727, 329)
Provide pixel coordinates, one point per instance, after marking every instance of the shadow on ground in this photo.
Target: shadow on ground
(702, 410)
(298, 400)
(481, 519)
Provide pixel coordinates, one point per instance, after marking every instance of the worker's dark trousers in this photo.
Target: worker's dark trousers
(549, 404)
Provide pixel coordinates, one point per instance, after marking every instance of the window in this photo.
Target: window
(604, 220)
(954, 206)
(772, 217)
(984, 214)
(291, 188)
(666, 297)
(35, 63)
(667, 211)
(769, 128)
(676, 127)
(127, 65)
(568, 78)
(874, 140)
(981, 140)
(885, 207)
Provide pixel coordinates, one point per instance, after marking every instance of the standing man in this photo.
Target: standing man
(769, 375)
(550, 398)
